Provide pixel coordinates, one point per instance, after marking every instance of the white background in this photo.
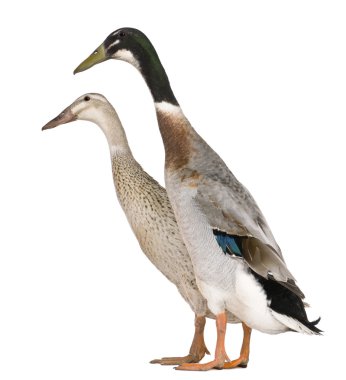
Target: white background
(264, 82)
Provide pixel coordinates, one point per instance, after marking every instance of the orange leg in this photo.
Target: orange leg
(220, 352)
(197, 350)
(244, 352)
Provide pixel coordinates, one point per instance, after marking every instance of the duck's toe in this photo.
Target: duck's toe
(177, 360)
(196, 354)
(217, 364)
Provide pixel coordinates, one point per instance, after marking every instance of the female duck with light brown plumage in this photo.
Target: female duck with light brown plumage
(238, 265)
(149, 213)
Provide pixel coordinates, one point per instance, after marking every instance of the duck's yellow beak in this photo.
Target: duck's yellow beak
(98, 56)
(66, 116)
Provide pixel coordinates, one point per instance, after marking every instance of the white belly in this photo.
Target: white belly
(245, 298)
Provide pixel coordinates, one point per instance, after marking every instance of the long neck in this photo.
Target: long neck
(174, 127)
(176, 133)
(155, 75)
(110, 124)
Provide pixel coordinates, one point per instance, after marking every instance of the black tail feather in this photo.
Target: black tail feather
(312, 325)
(285, 301)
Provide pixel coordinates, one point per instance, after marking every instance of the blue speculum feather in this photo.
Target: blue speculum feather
(228, 243)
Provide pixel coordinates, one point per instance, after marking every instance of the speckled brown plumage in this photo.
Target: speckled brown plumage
(151, 217)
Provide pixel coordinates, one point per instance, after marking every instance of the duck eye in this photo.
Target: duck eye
(122, 34)
(86, 98)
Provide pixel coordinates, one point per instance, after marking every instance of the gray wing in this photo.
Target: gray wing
(230, 208)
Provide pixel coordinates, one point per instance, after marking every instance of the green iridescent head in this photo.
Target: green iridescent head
(133, 46)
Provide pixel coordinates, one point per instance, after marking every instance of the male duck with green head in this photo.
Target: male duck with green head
(238, 265)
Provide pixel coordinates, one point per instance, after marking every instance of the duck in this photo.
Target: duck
(149, 213)
(238, 264)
